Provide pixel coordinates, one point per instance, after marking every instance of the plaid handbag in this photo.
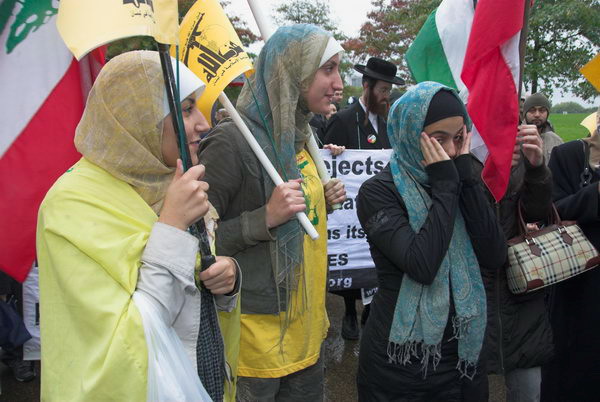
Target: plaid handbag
(539, 258)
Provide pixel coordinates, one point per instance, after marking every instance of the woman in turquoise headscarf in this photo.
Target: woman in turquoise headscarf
(430, 229)
(284, 272)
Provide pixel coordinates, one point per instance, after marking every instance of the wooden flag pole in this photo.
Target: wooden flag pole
(266, 31)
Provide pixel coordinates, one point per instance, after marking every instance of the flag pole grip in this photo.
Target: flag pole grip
(313, 149)
(264, 160)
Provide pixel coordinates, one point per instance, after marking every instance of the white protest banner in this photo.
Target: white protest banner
(348, 256)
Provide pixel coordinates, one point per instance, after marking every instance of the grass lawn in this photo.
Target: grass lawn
(567, 125)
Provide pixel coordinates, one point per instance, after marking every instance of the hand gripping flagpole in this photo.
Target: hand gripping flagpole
(198, 229)
(212, 364)
(263, 159)
(266, 31)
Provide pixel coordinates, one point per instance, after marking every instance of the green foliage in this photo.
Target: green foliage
(316, 12)
(563, 36)
(568, 107)
(128, 44)
(568, 126)
(390, 29)
(350, 91)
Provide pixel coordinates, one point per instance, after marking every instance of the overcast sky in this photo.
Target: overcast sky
(349, 14)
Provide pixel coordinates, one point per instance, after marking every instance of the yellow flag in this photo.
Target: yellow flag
(590, 123)
(87, 24)
(591, 71)
(211, 48)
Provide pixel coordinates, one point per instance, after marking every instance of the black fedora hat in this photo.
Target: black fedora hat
(380, 70)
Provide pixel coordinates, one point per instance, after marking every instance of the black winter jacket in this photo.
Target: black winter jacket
(397, 250)
(519, 333)
(574, 375)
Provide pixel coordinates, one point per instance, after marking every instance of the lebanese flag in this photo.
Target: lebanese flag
(43, 95)
(491, 74)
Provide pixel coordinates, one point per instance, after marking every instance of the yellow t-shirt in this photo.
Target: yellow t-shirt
(261, 354)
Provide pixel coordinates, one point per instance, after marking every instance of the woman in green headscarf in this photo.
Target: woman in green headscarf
(284, 321)
(429, 228)
(113, 229)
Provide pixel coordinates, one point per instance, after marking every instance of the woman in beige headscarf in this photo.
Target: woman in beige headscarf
(574, 374)
(114, 225)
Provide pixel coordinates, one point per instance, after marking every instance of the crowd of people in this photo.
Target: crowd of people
(113, 234)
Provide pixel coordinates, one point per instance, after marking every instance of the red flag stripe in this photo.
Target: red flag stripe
(41, 153)
(492, 103)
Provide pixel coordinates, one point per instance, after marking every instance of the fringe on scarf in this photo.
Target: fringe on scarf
(404, 353)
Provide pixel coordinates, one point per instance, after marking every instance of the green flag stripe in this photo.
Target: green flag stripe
(426, 58)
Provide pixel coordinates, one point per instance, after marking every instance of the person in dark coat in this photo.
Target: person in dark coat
(351, 128)
(519, 336)
(574, 375)
(431, 232)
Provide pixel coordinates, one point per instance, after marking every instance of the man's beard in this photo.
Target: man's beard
(380, 109)
(539, 123)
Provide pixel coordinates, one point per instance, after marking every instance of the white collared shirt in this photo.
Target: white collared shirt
(372, 116)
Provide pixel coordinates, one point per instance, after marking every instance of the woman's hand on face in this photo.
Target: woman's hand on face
(186, 200)
(286, 200)
(220, 277)
(432, 151)
(465, 148)
(335, 149)
(335, 192)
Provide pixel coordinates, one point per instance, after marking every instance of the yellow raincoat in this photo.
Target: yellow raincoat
(93, 226)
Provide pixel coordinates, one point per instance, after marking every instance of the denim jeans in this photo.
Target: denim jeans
(304, 385)
(523, 385)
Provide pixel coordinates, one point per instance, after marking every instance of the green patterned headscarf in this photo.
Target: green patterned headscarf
(273, 107)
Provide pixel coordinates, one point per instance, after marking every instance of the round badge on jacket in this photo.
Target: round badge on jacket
(372, 139)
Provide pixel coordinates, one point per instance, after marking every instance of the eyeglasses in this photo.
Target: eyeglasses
(384, 90)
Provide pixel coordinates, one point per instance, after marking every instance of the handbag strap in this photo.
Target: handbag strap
(554, 218)
(586, 175)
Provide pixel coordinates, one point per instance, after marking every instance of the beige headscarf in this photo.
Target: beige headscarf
(121, 127)
(594, 143)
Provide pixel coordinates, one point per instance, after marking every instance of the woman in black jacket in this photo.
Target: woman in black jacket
(574, 375)
(430, 229)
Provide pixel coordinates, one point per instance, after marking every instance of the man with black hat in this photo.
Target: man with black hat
(536, 110)
(363, 124)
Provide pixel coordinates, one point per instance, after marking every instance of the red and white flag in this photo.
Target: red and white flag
(491, 74)
(43, 94)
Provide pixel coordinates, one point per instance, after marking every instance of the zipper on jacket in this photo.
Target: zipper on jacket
(499, 313)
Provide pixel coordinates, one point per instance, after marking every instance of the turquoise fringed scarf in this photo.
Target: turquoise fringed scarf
(422, 311)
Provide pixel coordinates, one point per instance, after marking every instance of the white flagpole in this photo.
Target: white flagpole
(266, 31)
(264, 160)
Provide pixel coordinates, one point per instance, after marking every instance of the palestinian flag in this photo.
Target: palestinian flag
(43, 94)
